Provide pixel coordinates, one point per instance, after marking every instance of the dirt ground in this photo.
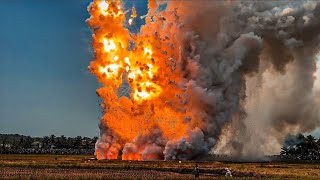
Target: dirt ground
(81, 167)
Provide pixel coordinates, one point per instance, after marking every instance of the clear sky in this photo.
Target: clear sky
(44, 53)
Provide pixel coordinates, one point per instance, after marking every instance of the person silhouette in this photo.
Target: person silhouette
(196, 171)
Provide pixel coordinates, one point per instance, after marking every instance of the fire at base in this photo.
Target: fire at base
(169, 90)
(158, 109)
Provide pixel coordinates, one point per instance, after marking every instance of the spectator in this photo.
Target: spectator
(196, 171)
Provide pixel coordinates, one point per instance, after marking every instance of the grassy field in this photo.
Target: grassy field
(79, 167)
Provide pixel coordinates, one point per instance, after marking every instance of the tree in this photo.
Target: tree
(77, 142)
(70, 142)
(311, 146)
(301, 147)
(52, 139)
(45, 141)
(4, 142)
(61, 142)
(95, 139)
(28, 142)
(21, 142)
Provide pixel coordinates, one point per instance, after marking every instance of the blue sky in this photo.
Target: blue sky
(44, 53)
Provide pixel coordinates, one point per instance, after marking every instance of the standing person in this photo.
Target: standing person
(196, 171)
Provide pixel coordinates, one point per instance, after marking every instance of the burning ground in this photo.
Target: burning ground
(235, 77)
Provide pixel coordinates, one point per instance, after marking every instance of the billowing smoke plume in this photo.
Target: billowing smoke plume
(233, 76)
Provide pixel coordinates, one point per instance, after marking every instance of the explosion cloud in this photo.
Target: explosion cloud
(233, 76)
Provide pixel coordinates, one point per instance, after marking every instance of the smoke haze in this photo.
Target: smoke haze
(237, 78)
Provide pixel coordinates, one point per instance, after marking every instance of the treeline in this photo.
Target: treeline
(297, 147)
(15, 143)
(301, 147)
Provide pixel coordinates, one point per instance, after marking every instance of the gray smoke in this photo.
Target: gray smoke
(151, 145)
(254, 78)
(248, 77)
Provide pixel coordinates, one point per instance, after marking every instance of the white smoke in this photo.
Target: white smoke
(256, 70)
(248, 74)
(317, 74)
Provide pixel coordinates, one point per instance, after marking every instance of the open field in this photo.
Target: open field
(79, 167)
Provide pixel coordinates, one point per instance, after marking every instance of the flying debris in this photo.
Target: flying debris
(233, 77)
(144, 16)
(133, 16)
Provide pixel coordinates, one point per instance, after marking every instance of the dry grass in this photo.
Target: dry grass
(78, 167)
(61, 173)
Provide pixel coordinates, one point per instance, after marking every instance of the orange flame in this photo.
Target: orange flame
(154, 99)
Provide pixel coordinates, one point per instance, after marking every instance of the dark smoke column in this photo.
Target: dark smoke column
(233, 76)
